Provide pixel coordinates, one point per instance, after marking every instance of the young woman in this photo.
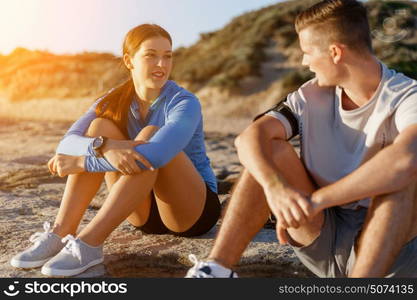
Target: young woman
(145, 138)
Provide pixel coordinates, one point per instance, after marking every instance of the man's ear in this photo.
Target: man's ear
(128, 61)
(336, 52)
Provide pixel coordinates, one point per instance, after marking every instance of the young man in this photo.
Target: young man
(348, 207)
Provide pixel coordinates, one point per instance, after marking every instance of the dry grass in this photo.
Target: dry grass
(225, 125)
(69, 110)
(223, 112)
(219, 103)
(227, 113)
(44, 109)
(26, 74)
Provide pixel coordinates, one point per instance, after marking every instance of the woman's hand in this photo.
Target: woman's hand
(121, 155)
(63, 165)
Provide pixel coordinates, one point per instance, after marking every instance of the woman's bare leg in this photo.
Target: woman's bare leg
(140, 214)
(180, 213)
(129, 194)
(180, 199)
(79, 191)
(126, 194)
(179, 208)
(180, 193)
(81, 188)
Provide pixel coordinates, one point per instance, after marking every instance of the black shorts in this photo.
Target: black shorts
(207, 220)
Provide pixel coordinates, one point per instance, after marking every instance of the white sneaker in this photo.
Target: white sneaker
(73, 259)
(208, 269)
(45, 246)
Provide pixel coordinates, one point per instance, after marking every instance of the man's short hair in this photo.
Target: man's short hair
(342, 21)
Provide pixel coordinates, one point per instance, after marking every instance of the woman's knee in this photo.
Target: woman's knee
(142, 213)
(147, 132)
(105, 127)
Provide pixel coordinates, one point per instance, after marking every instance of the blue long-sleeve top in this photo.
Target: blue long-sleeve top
(177, 113)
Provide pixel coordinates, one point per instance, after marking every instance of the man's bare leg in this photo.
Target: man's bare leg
(248, 210)
(390, 223)
(246, 213)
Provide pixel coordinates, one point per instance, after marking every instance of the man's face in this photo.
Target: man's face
(317, 58)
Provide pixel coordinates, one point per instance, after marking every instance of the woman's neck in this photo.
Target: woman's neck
(145, 95)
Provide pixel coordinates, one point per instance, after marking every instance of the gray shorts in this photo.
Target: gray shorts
(332, 253)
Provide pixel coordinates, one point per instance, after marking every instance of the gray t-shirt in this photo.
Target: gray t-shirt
(334, 141)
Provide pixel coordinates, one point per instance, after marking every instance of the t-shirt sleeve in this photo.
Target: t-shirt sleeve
(288, 112)
(406, 113)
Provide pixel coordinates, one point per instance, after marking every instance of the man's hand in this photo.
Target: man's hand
(290, 207)
(121, 155)
(63, 165)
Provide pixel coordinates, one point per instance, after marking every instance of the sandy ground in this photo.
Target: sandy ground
(29, 195)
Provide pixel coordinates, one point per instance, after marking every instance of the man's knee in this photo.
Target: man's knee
(105, 127)
(246, 179)
(406, 196)
(399, 205)
(307, 233)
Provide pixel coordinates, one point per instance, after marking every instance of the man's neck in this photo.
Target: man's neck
(363, 80)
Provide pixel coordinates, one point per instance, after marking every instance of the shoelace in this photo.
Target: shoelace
(72, 246)
(196, 271)
(39, 235)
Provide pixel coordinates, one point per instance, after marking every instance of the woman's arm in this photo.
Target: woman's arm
(175, 135)
(74, 142)
(74, 145)
(182, 120)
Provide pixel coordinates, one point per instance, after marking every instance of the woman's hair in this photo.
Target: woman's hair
(114, 106)
(343, 21)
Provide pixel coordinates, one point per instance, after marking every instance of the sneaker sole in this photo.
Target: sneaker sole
(28, 264)
(57, 272)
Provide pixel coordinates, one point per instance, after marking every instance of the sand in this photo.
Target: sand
(29, 195)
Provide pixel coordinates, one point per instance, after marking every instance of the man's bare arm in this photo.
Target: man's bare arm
(390, 170)
(254, 147)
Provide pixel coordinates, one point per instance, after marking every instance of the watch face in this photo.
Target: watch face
(97, 142)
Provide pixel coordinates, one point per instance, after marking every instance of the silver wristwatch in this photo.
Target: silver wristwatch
(98, 144)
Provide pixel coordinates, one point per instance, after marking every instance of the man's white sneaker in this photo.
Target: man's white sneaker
(73, 259)
(45, 246)
(208, 269)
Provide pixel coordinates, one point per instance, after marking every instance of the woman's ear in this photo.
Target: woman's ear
(128, 61)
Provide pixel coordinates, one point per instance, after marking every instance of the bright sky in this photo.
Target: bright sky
(71, 26)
